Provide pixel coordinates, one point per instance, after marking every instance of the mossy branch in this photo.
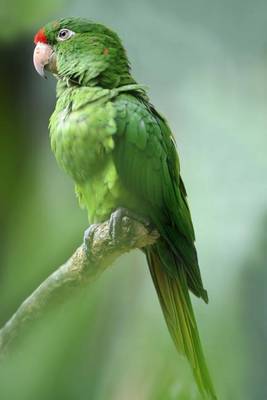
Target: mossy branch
(97, 253)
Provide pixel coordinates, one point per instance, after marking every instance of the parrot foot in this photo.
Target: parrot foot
(118, 219)
(88, 235)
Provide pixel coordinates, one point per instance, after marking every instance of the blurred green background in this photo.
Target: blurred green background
(205, 63)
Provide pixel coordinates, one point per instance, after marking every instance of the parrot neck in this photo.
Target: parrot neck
(97, 72)
(96, 58)
(100, 81)
(66, 83)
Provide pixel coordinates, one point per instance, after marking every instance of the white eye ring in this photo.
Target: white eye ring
(65, 34)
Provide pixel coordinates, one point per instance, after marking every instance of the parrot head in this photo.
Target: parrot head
(82, 53)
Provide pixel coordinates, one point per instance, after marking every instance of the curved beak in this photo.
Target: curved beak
(44, 58)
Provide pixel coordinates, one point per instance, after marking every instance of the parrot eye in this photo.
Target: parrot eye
(65, 34)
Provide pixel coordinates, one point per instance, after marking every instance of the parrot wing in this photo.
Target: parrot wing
(147, 162)
(148, 165)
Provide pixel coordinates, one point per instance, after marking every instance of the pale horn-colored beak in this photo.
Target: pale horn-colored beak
(44, 58)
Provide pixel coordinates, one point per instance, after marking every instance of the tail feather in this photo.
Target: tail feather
(175, 302)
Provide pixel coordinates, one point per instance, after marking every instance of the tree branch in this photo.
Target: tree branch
(97, 253)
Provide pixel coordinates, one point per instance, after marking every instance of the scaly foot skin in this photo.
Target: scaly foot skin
(116, 221)
(88, 236)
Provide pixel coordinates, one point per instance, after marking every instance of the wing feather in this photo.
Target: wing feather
(148, 164)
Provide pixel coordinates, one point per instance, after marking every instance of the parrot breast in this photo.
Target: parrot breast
(81, 134)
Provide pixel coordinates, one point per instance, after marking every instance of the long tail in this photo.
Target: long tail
(175, 301)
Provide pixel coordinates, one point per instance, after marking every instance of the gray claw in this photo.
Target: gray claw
(115, 224)
(88, 235)
(116, 221)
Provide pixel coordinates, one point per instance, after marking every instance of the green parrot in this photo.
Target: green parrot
(122, 157)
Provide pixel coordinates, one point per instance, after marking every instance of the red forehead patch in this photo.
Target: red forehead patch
(40, 36)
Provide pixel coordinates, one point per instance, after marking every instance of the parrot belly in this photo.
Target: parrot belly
(103, 193)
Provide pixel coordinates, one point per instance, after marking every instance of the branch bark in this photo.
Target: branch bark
(97, 253)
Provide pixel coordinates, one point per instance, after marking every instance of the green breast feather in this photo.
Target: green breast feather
(82, 130)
